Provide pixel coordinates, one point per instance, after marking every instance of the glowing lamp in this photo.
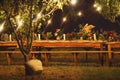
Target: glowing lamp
(73, 2)
(1, 26)
(64, 19)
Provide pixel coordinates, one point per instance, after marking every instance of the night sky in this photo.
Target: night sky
(90, 16)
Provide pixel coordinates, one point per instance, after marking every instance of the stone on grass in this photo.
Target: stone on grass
(34, 66)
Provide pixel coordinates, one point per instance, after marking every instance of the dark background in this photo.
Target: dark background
(90, 16)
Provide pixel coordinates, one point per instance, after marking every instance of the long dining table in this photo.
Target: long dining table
(60, 43)
(110, 47)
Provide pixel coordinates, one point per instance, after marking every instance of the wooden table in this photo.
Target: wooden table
(8, 44)
(61, 43)
(110, 46)
(73, 43)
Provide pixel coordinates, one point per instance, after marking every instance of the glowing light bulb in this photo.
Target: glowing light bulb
(20, 23)
(73, 2)
(95, 5)
(64, 19)
(1, 26)
(99, 8)
(38, 15)
(79, 13)
(49, 21)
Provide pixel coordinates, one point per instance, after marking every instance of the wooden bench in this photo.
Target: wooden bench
(9, 53)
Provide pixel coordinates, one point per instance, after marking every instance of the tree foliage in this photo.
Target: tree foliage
(23, 16)
(110, 9)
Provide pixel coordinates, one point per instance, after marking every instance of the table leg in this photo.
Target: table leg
(75, 58)
(101, 55)
(109, 56)
(46, 59)
(9, 60)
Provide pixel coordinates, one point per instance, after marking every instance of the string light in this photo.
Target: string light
(95, 5)
(79, 13)
(99, 8)
(20, 23)
(49, 21)
(18, 17)
(55, 1)
(38, 15)
(1, 26)
(73, 2)
(64, 19)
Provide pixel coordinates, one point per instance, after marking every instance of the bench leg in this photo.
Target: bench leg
(9, 60)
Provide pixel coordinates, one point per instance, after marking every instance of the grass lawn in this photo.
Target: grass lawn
(16, 72)
(61, 68)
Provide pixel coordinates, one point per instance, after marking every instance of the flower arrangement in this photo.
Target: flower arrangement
(86, 31)
(72, 36)
(47, 35)
(108, 36)
(58, 34)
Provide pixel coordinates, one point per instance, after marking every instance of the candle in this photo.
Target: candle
(64, 37)
(39, 37)
(10, 37)
(81, 38)
(94, 36)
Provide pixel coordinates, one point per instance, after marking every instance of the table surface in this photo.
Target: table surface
(58, 43)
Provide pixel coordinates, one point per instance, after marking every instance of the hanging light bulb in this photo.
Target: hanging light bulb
(20, 23)
(99, 8)
(49, 21)
(79, 13)
(38, 15)
(73, 2)
(64, 19)
(1, 26)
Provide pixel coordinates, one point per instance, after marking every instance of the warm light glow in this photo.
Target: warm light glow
(49, 21)
(1, 26)
(18, 17)
(73, 2)
(55, 1)
(79, 13)
(38, 15)
(20, 23)
(64, 19)
(95, 5)
(99, 8)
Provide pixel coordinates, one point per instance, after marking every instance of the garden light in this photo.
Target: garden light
(55, 1)
(20, 23)
(49, 21)
(79, 13)
(64, 19)
(1, 26)
(18, 17)
(73, 2)
(99, 8)
(95, 5)
(38, 15)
